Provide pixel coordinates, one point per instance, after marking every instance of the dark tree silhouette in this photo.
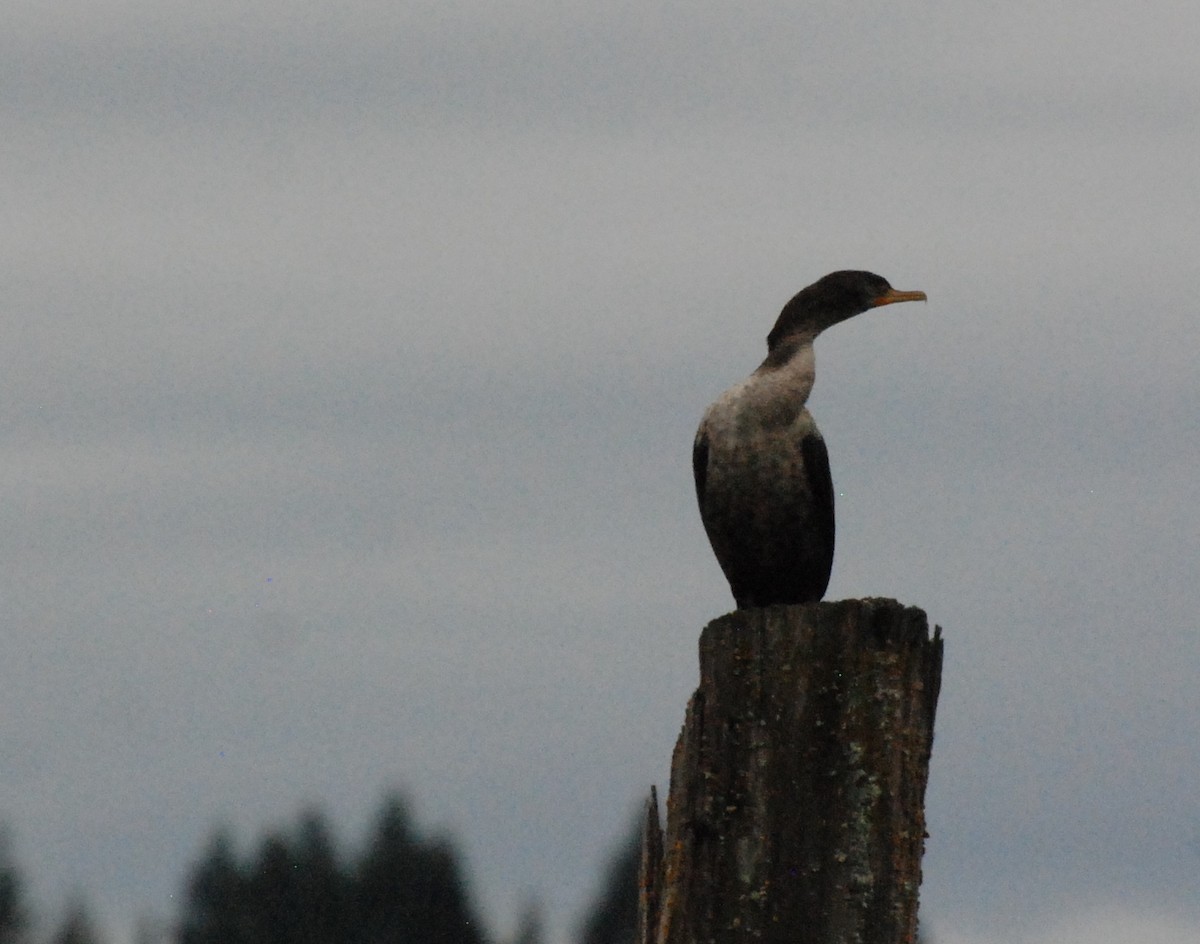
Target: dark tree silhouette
(294, 890)
(218, 905)
(320, 885)
(409, 890)
(274, 888)
(613, 916)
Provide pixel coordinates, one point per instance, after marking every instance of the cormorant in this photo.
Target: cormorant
(762, 471)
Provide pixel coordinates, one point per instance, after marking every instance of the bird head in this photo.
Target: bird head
(832, 299)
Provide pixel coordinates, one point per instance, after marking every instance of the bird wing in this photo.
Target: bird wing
(700, 464)
(820, 484)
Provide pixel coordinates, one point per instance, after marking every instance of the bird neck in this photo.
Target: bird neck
(805, 315)
(790, 367)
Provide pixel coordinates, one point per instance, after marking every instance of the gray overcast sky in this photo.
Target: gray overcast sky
(353, 358)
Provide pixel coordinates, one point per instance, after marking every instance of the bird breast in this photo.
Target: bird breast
(768, 403)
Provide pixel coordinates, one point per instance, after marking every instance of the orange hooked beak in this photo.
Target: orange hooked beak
(891, 296)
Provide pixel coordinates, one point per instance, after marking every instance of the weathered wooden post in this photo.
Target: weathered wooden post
(796, 808)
